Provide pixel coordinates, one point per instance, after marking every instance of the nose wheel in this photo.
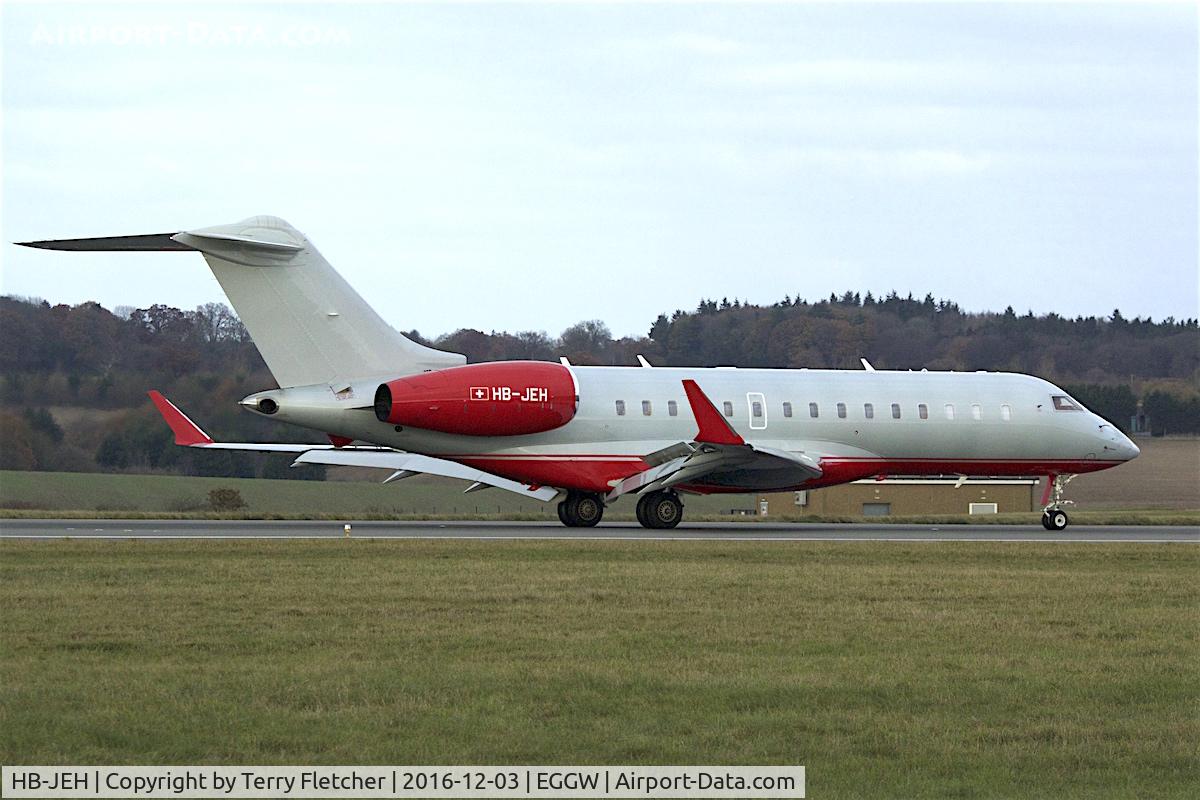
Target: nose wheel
(1053, 516)
(581, 510)
(1055, 520)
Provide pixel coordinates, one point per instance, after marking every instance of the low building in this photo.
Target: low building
(1139, 423)
(907, 497)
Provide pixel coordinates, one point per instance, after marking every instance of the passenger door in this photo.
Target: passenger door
(758, 410)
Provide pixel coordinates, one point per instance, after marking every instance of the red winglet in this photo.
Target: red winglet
(714, 429)
(187, 433)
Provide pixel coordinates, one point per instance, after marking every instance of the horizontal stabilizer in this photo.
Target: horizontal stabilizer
(143, 243)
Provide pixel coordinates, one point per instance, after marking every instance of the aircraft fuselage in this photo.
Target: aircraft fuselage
(856, 423)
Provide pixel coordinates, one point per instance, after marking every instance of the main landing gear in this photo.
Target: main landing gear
(581, 509)
(654, 510)
(1053, 516)
(659, 510)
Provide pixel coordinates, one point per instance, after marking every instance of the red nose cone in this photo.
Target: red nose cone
(504, 398)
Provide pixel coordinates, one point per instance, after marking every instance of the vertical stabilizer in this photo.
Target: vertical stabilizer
(308, 323)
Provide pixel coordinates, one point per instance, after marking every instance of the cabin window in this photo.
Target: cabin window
(895, 411)
(923, 411)
(813, 410)
(976, 411)
(869, 410)
(728, 408)
(756, 409)
(1005, 412)
(841, 407)
(646, 408)
(672, 408)
(1064, 403)
(949, 410)
(620, 408)
(787, 409)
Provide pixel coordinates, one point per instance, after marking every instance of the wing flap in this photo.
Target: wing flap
(712, 460)
(644, 478)
(802, 460)
(414, 462)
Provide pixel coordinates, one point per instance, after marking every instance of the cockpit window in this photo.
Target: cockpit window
(1064, 403)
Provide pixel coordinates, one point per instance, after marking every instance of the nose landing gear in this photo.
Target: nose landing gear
(1053, 516)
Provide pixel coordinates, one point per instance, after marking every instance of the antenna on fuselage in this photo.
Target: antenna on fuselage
(867, 365)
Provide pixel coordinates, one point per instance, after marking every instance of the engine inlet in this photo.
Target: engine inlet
(383, 402)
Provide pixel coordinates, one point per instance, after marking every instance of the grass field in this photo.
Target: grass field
(68, 494)
(964, 670)
(79, 491)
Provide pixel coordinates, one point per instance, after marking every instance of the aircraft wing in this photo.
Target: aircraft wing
(718, 455)
(404, 465)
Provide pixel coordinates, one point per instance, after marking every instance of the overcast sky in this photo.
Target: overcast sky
(526, 167)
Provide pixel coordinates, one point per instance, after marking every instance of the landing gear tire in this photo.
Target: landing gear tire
(589, 508)
(581, 510)
(640, 511)
(659, 510)
(1055, 519)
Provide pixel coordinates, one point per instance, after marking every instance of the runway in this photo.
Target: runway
(696, 531)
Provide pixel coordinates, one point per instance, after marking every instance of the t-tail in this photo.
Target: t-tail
(308, 323)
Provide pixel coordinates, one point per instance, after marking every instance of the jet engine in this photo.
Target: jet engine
(502, 398)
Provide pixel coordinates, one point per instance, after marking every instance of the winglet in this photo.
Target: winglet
(187, 433)
(714, 429)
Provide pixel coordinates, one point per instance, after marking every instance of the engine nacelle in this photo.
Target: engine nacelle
(502, 398)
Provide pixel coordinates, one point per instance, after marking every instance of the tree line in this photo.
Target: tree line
(93, 366)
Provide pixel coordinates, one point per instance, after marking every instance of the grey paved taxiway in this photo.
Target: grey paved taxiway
(715, 531)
